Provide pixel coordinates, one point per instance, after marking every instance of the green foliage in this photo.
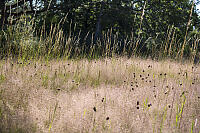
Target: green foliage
(95, 28)
(180, 111)
(52, 117)
(45, 79)
(192, 127)
(2, 78)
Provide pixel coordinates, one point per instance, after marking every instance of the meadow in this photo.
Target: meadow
(53, 82)
(101, 95)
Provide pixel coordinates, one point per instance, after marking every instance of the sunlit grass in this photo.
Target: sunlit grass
(104, 95)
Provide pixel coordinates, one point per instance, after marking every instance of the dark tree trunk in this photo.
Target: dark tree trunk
(98, 25)
(3, 13)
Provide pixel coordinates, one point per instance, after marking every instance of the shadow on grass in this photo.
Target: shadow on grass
(15, 121)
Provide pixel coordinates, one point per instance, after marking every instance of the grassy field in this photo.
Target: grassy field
(105, 95)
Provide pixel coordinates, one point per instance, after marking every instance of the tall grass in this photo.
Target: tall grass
(24, 41)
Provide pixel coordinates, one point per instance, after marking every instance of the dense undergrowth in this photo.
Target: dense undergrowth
(23, 40)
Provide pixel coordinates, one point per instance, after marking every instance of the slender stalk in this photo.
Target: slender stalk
(186, 33)
(140, 28)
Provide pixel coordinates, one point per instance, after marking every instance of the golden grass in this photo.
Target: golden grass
(105, 95)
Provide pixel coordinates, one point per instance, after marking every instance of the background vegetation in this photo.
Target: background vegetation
(99, 28)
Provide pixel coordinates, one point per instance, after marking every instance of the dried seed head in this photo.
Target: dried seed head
(102, 99)
(107, 118)
(149, 66)
(149, 105)
(94, 109)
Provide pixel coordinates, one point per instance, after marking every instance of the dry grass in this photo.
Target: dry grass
(105, 95)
